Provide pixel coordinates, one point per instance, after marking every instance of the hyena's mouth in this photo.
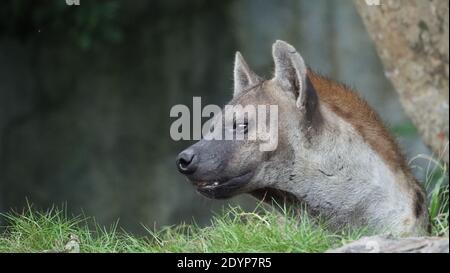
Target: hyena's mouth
(223, 188)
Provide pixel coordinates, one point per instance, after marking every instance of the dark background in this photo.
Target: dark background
(85, 94)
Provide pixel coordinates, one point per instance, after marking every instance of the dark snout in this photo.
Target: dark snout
(205, 164)
(187, 161)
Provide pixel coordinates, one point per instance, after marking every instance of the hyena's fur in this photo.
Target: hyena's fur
(348, 168)
(334, 155)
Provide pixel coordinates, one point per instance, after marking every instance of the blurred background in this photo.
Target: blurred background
(85, 94)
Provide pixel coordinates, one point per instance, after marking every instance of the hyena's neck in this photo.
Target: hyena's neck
(352, 170)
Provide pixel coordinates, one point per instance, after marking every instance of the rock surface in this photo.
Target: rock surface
(389, 244)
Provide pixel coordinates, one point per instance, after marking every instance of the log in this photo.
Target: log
(389, 244)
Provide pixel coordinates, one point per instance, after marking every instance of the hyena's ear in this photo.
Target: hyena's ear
(244, 77)
(290, 71)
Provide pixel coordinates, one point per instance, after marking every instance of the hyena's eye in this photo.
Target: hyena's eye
(240, 127)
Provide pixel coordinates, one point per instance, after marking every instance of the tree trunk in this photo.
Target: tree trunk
(411, 37)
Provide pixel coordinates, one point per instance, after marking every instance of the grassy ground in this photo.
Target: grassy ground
(234, 230)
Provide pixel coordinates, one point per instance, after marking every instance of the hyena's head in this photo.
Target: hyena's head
(223, 168)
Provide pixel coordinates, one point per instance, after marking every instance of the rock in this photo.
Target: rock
(389, 244)
(73, 245)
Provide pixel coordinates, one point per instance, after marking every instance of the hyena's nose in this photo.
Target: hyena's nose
(186, 162)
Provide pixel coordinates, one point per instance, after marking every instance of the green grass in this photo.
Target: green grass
(232, 231)
(436, 185)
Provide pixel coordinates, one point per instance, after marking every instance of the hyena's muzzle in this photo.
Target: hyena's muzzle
(207, 164)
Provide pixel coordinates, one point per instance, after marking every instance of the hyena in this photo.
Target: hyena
(334, 156)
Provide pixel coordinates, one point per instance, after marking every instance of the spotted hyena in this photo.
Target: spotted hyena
(333, 154)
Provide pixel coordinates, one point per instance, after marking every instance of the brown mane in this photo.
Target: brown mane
(348, 105)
